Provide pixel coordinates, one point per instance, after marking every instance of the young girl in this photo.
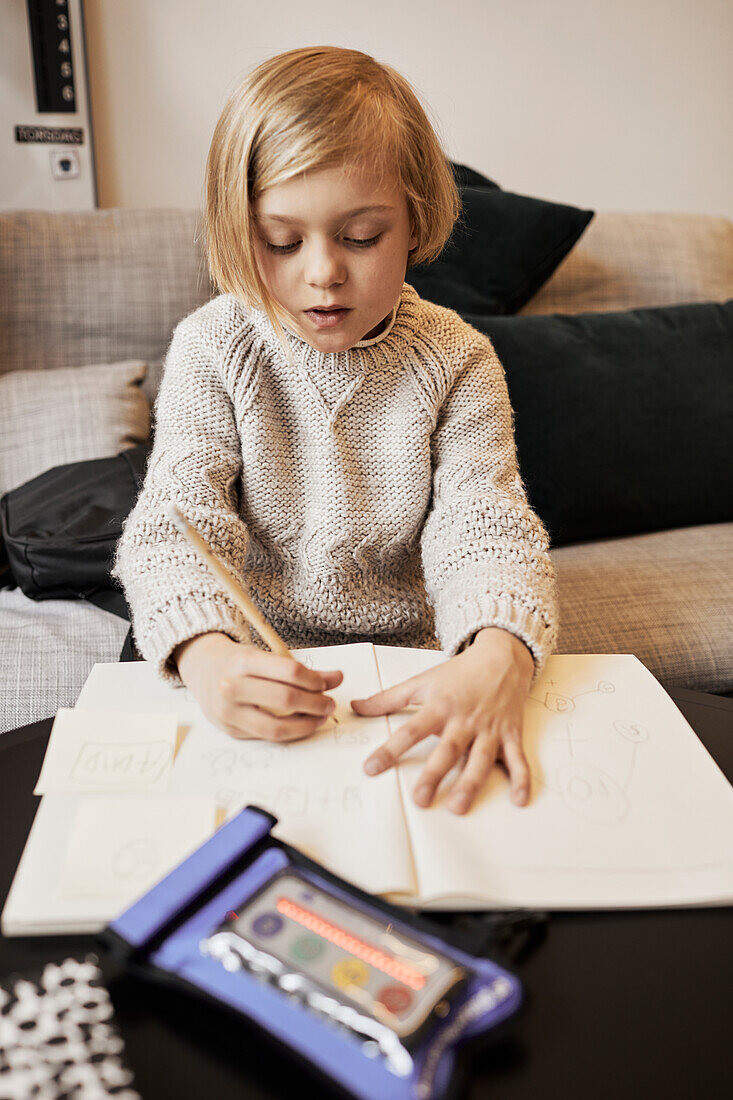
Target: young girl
(345, 446)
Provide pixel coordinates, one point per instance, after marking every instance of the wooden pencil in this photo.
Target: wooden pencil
(251, 613)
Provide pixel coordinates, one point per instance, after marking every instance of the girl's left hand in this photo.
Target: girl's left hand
(475, 703)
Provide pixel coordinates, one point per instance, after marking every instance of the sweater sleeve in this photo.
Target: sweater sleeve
(195, 463)
(485, 552)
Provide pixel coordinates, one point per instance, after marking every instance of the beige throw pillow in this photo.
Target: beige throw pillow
(51, 417)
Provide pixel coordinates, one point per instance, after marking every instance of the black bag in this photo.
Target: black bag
(60, 529)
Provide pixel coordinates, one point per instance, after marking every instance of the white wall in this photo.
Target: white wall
(616, 105)
(42, 173)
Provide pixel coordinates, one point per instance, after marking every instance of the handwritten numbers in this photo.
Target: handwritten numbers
(591, 793)
(632, 731)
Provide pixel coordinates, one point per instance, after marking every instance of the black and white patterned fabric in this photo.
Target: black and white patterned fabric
(47, 650)
(58, 1039)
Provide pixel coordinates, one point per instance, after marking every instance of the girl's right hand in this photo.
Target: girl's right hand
(249, 692)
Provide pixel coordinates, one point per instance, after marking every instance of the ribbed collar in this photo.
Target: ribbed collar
(400, 327)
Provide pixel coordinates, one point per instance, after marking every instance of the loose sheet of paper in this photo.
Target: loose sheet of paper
(316, 787)
(120, 847)
(627, 806)
(106, 751)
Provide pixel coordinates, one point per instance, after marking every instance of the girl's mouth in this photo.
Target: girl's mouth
(326, 318)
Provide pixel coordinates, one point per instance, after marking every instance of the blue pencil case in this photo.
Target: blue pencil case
(370, 995)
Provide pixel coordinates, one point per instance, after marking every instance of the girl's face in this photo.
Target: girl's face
(316, 246)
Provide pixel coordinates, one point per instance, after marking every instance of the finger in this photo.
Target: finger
(251, 722)
(386, 702)
(481, 759)
(332, 678)
(275, 696)
(409, 733)
(269, 666)
(445, 755)
(518, 768)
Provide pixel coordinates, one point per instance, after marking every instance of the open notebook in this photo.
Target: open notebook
(627, 809)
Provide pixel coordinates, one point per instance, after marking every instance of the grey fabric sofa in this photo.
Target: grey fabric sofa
(110, 285)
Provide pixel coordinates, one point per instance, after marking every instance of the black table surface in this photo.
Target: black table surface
(618, 1004)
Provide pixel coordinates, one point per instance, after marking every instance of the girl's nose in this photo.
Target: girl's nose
(323, 264)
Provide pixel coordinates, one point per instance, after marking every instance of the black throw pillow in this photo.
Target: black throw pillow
(623, 421)
(60, 529)
(501, 251)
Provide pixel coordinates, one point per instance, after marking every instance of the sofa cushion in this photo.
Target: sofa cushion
(634, 260)
(666, 596)
(623, 421)
(96, 286)
(69, 415)
(47, 650)
(501, 250)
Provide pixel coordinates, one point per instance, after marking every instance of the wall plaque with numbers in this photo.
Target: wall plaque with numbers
(49, 23)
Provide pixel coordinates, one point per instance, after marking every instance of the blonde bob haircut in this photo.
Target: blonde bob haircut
(311, 108)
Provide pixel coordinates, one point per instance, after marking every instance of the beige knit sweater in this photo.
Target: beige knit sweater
(366, 495)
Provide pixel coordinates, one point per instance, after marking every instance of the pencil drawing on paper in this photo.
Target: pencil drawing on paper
(230, 799)
(297, 800)
(352, 734)
(237, 758)
(136, 858)
(584, 766)
(123, 766)
(293, 800)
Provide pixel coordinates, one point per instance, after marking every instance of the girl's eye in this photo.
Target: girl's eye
(287, 248)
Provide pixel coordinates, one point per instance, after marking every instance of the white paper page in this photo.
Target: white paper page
(103, 751)
(628, 809)
(397, 664)
(316, 787)
(120, 847)
(36, 904)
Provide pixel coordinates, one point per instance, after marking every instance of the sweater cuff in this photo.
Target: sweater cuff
(482, 610)
(184, 618)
